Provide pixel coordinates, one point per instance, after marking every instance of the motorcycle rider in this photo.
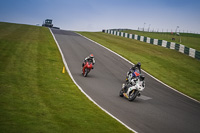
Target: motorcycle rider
(137, 66)
(135, 71)
(89, 58)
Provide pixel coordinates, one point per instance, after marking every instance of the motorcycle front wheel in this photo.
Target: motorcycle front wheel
(133, 94)
(86, 72)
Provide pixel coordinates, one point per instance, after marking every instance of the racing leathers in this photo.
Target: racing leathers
(89, 59)
(134, 72)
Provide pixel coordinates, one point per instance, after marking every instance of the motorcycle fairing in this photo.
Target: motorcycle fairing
(87, 65)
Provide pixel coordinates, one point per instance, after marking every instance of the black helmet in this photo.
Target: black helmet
(138, 64)
(142, 77)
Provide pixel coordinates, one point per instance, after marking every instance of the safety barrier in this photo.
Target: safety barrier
(171, 45)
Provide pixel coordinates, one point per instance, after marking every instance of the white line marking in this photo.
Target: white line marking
(66, 66)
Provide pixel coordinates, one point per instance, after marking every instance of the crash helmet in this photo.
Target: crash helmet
(139, 64)
(142, 77)
(91, 56)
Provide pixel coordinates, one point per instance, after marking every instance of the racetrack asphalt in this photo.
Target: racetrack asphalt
(159, 109)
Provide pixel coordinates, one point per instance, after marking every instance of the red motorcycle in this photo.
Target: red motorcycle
(86, 69)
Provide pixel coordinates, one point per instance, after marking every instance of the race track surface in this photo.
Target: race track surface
(159, 109)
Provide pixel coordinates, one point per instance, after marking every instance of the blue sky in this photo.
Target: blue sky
(95, 15)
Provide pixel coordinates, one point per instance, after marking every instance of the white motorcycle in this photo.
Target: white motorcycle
(132, 89)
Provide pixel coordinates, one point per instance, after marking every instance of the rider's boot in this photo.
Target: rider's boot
(125, 89)
(82, 67)
(82, 70)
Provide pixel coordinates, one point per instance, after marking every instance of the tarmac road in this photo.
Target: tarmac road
(159, 109)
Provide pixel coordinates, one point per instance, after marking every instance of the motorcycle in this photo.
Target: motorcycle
(132, 89)
(86, 68)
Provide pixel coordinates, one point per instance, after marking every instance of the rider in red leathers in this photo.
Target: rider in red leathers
(89, 58)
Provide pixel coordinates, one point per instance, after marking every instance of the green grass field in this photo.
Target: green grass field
(187, 39)
(35, 96)
(173, 68)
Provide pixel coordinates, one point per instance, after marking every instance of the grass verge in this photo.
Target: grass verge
(34, 94)
(173, 68)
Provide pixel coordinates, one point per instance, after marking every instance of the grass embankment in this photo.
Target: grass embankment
(34, 94)
(188, 39)
(173, 68)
